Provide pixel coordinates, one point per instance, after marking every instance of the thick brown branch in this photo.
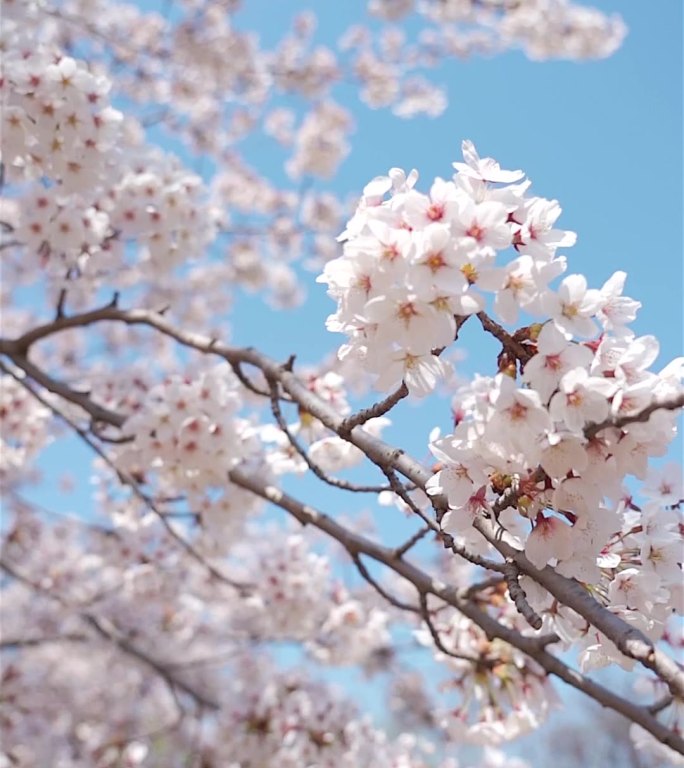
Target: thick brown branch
(426, 584)
(82, 399)
(629, 640)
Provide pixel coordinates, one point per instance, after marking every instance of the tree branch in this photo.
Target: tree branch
(107, 631)
(513, 347)
(302, 451)
(436, 639)
(373, 411)
(630, 641)
(535, 647)
(401, 550)
(379, 588)
(618, 422)
(519, 597)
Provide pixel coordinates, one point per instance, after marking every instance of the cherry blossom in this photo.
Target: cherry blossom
(237, 531)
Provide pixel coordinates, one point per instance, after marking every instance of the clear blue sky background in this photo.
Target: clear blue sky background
(603, 137)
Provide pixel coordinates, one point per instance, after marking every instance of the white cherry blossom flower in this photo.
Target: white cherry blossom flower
(617, 310)
(555, 357)
(582, 399)
(550, 539)
(485, 169)
(665, 484)
(573, 307)
(537, 235)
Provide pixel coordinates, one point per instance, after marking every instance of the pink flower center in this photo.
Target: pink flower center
(435, 212)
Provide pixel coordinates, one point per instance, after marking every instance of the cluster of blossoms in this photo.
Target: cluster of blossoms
(57, 127)
(61, 668)
(146, 220)
(321, 143)
(542, 28)
(633, 557)
(160, 204)
(56, 121)
(266, 716)
(24, 429)
(545, 445)
(295, 598)
(189, 434)
(184, 69)
(276, 719)
(291, 596)
(354, 632)
(415, 263)
(460, 28)
(290, 600)
(502, 693)
(84, 199)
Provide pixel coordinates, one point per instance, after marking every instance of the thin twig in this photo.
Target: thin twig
(247, 383)
(310, 463)
(518, 596)
(402, 493)
(425, 613)
(401, 550)
(379, 588)
(494, 582)
(661, 704)
(34, 642)
(618, 422)
(471, 557)
(378, 409)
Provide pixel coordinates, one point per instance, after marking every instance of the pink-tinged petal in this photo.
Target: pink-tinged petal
(549, 539)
